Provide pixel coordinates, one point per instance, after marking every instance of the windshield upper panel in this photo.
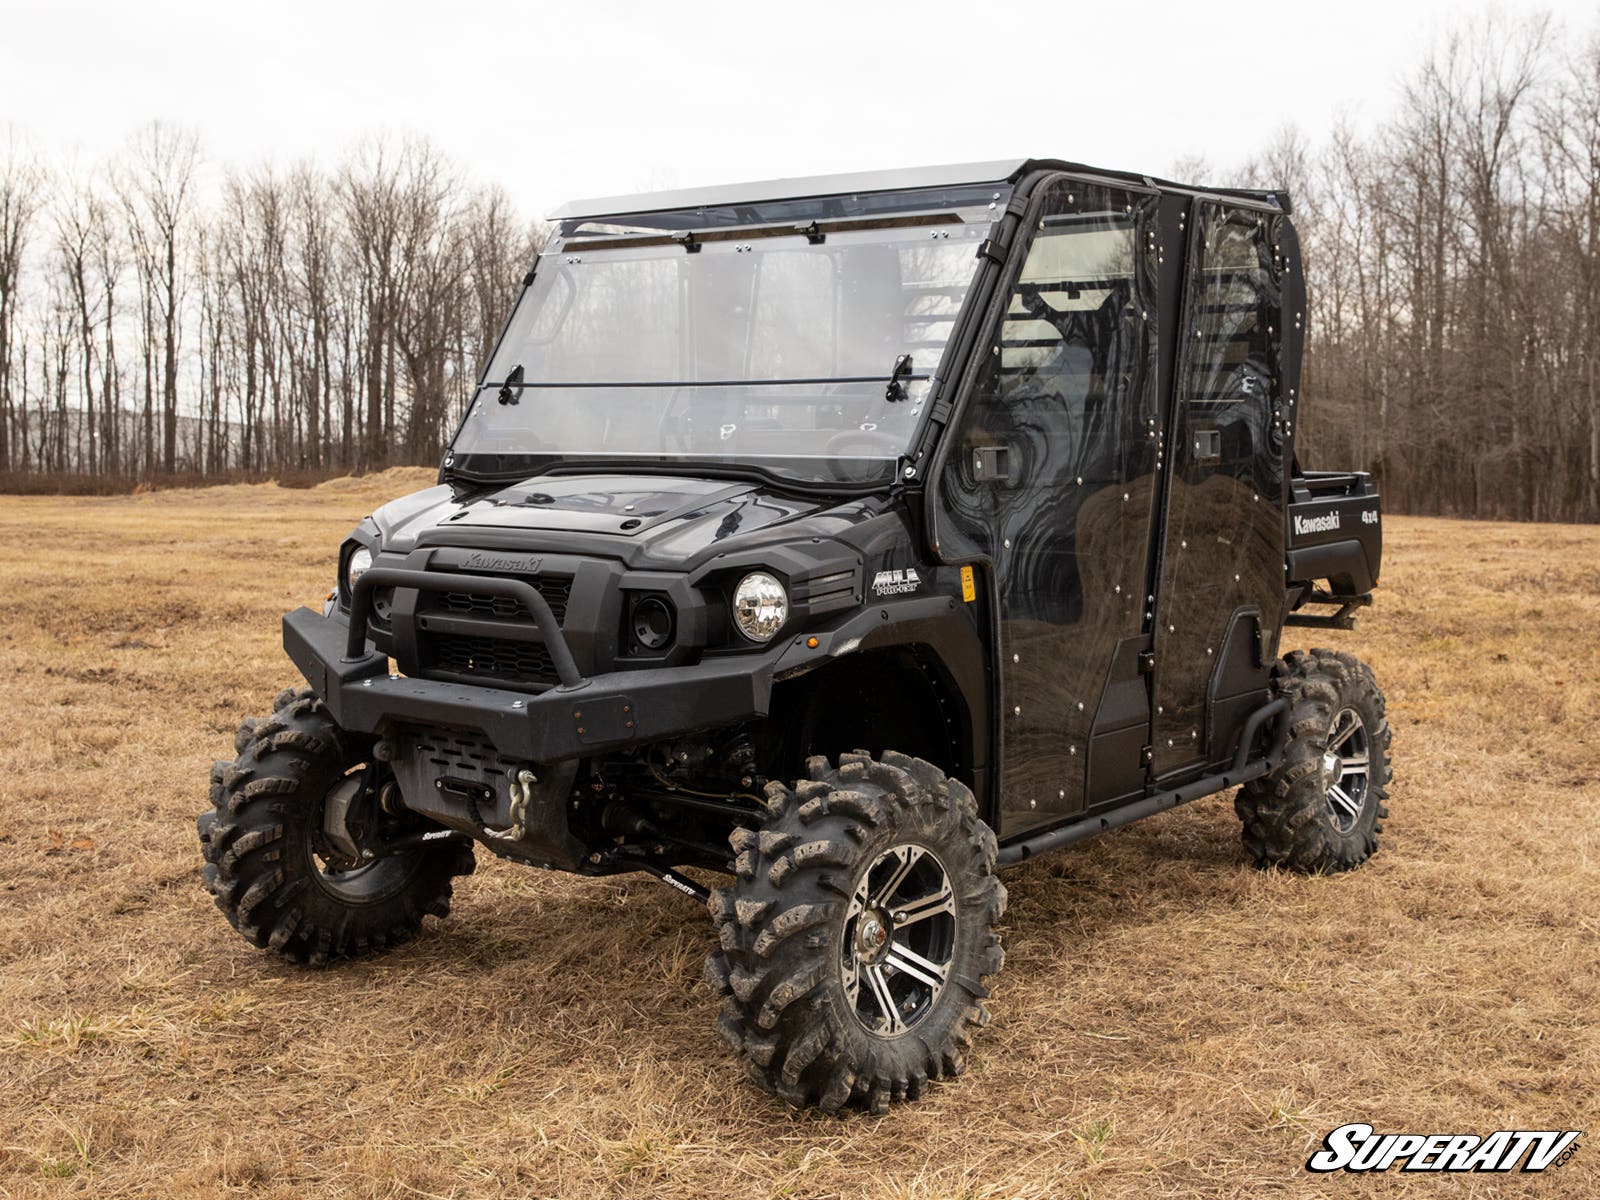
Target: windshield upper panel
(774, 350)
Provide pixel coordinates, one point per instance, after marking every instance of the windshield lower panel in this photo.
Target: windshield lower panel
(827, 432)
(776, 352)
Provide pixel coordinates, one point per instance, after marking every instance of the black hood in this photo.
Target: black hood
(625, 504)
(670, 519)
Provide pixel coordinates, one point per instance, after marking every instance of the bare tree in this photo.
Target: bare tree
(82, 233)
(1569, 143)
(155, 189)
(370, 195)
(22, 194)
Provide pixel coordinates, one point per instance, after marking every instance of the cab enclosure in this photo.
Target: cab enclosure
(991, 465)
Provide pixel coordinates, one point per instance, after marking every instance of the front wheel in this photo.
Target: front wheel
(1322, 810)
(857, 934)
(270, 867)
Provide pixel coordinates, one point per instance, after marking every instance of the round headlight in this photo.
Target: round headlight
(760, 606)
(360, 563)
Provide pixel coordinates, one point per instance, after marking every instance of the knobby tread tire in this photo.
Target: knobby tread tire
(256, 840)
(1287, 822)
(780, 922)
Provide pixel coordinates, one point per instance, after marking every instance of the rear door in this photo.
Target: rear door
(1221, 588)
(1051, 477)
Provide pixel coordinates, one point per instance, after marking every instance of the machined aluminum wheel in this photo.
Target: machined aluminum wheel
(1346, 767)
(898, 939)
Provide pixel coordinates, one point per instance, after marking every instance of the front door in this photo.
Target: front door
(1051, 476)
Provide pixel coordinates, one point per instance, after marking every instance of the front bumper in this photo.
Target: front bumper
(595, 715)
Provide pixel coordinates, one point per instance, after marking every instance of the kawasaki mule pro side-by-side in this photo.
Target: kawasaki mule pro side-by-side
(852, 537)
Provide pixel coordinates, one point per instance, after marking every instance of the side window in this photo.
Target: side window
(1234, 359)
(1065, 393)
(1230, 383)
(1068, 311)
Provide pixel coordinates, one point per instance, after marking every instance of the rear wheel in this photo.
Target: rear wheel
(272, 869)
(1322, 810)
(856, 936)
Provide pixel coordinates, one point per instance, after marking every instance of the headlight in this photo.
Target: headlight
(360, 563)
(760, 606)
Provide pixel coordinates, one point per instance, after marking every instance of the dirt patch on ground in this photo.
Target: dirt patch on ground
(1169, 1022)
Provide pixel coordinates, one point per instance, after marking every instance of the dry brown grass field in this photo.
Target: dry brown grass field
(1170, 1021)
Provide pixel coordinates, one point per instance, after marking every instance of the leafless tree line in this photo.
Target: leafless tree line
(335, 319)
(1453, 265)
(296, 319)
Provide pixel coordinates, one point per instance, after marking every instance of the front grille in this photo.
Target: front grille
(490, 658)
(476, 604)
(480, 651)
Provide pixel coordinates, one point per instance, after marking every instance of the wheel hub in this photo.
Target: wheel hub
(1332, 767)
(872, 935)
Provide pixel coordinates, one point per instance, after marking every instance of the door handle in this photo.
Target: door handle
(991, 464)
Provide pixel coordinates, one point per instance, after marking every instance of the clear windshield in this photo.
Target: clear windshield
(776, 350)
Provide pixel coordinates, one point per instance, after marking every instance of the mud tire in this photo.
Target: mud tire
(1288, 821)
(780, 928)
(257, 840)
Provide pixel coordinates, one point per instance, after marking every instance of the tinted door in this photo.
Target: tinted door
(1221, 586)
(1051, 476)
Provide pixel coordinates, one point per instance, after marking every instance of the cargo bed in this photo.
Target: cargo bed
(1335, 546)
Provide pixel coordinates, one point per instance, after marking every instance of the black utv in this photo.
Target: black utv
(852, 538)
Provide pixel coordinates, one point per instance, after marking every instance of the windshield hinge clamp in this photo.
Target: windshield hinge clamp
(813, 233)
(687, 241)
(511, 389)
(897, 390)
(992, 248)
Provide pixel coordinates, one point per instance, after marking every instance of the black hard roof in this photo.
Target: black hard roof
(905, 178)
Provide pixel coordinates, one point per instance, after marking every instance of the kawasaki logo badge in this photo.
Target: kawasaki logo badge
(895, 583)
(1357, 1147)
(477, 561)
(1326, 523)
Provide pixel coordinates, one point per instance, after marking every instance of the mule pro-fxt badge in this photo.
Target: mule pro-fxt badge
(896, 582)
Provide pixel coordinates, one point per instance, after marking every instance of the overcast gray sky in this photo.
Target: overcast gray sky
(561, 101)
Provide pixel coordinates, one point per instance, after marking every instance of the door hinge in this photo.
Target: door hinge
(1147, 662)
(1147, 755)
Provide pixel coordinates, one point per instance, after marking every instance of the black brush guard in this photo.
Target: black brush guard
(578, 716)
(545, 630)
